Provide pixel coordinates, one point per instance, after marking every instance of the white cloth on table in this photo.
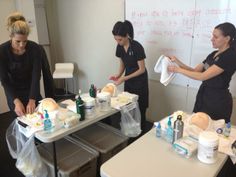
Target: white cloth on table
(226, 143)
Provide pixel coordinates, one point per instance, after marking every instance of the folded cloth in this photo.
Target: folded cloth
(123, 99)
(225, 144)
(162, 67)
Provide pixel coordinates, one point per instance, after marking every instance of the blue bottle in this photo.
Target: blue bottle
(169, 132)
(47, 122)
(158, 130)
(227, 129)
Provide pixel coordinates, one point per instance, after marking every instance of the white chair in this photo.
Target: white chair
(64, 71)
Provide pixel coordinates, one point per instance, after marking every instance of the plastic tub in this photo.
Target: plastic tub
(104, 101)
(105, 139)
(74, 159)
(89, 106)
(208, 147)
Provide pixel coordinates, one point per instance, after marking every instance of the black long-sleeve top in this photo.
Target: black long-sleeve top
(21, 72)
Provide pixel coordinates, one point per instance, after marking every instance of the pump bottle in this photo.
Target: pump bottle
(158, 130)
(47, 122)
(169, 131)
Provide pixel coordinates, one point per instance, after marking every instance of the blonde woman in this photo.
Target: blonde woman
(20, 67)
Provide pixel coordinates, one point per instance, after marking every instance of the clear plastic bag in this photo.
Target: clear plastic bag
(24, 150)
(130, 120)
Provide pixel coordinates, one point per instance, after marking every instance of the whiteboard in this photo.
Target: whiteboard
(182, 28)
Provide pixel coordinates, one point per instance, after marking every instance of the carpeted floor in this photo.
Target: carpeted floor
(7, 163)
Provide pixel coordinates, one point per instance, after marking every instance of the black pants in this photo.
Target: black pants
(228, 170)
(143, 118)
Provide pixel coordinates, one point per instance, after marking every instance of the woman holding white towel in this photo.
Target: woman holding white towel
(215, 72)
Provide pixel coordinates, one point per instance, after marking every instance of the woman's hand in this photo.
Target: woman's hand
(174, 69)
(19, 108)
(120, 81)
(30, 106)
(173, 59)
(114, 78)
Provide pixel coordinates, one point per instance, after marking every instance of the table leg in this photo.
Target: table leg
(55, 158)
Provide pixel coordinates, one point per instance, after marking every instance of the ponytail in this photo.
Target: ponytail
(16, 24)
(123, 29)
(228, 29)
(130, 29)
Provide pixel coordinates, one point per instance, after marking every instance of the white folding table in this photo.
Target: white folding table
(150, 156)
(60, 133)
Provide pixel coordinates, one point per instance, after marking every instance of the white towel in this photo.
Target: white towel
(162, 67)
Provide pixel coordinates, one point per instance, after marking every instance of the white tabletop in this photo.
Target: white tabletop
(151, 157)
(60, 133)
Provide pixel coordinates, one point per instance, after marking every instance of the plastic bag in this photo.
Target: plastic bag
(130, 120)
(24, 150)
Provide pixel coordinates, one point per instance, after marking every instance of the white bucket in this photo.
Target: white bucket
(104, 101)
(208, 147)
(89, 106)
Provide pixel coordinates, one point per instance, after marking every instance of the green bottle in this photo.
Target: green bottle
(80, 107)
(93, 91)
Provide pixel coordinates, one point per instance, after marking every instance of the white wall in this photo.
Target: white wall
(80, 32)
(28, 10)
(6, 7)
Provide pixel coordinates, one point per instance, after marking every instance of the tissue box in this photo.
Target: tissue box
(185, 146)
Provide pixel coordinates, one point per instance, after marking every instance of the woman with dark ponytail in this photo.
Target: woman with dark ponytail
(215, 71)
(132, 55)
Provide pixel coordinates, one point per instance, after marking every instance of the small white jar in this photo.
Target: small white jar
(208, 147)
(104, 101)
